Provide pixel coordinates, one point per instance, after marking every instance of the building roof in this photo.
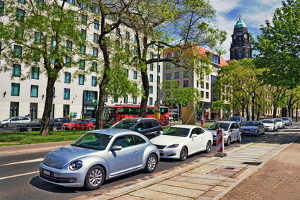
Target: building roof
(203, 51)
(240, 23)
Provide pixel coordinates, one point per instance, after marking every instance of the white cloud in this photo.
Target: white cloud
(223, 6)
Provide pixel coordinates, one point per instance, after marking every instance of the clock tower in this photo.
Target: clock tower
(240, 47)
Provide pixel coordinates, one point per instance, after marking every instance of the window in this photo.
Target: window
(151, 67)
(207, 85)
(34, 91)
(134, 100)
(136, 38)
(68, 61)
(151, 78)
(158, 80)
(168, 65)
(38, 37)
(215, 59)
(1, 8)
(127, 35)
(96, 24)
(186, 74)
(17, 51)
(135, 75)
(83, 34)
(96, 38)
(67, 77)
(207, 95)
(20, 15)
(35, 73)
(15, 89)
(150, 101)
(22, 1)
(94, 67)
(69, 45)
(202, 94)
(116, 99)
(84, 19)
(202, 84)
(53, 42)
(151, 90)
(158, 68)
(186, 83)
(19, 33)
(67, 93)
(82, 64)
(82, 49)
(95, 52)
(81, 79)
(176, 75)
(94, 81)
(126, 99)
(124, 141)
(168, 76)
(16, 70)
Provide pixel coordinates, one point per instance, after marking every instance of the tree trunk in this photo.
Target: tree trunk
(48, 105)
(252, 108)
(247, 113)
(258, 113)
(274, 111)
(145, 96)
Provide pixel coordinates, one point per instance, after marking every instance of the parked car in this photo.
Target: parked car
(180, 141)
(238, 119)
(97, 156)
(253, 128)
(14, 121)
(270, 125)
(78, 125)
(279, 122)
(146, 126)
(287, 120)
(231, 131)
(36, 124)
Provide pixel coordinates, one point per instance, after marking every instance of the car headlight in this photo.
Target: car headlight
(173, 146)
(75, 165)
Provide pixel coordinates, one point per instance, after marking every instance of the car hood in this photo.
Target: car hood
(249, 127)
(167, 140)
(62, 156)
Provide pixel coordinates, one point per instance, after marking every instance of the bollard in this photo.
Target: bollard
(220, 144)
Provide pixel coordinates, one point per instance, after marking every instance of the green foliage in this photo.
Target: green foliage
(279, 48)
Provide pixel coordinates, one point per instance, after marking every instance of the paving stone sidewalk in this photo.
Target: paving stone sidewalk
(205, 178)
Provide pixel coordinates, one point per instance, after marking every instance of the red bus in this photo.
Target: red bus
(113, 114)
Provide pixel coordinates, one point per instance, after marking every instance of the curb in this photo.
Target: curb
(250, 172)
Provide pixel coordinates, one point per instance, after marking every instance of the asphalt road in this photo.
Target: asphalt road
(19, 174)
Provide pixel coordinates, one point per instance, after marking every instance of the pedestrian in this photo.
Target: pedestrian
(202, 121)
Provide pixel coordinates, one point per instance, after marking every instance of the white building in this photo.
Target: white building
(72, 94)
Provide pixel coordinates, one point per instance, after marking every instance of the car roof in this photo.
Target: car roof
(186, 126)
(114, 132)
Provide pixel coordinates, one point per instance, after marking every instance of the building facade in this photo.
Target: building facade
(240, 47)
(76, 93)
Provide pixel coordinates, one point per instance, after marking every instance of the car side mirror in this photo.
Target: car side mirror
(138, 129)
(116, 148)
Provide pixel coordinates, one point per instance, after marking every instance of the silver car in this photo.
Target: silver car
(97, 156)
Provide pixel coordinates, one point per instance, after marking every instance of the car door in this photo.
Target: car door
(234, 131)
(140, 145)
(125, 159)
(195, 142)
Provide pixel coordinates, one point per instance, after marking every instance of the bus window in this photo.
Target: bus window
(164, 110)
(109, 114)
(150, 111)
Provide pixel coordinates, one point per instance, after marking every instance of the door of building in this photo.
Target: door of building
(33, 110)
(14, 109)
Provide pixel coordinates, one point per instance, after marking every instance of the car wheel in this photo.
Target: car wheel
(239, 139)
(228, 142)
(208, 147)
(94, 178)
(151, 163)
(183, 153)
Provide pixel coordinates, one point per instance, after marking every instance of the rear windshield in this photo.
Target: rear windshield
(267, 121)
(251, 124)
(235, 119)
(125, 124)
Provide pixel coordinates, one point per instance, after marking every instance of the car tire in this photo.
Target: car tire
(228, 142)
(151, 163)
(183, 153)
(94, 178)
(208, 147)
(239, 139)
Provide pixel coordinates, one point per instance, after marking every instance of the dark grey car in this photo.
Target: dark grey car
(147, 126)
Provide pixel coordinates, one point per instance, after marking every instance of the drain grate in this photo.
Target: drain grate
(252, 163)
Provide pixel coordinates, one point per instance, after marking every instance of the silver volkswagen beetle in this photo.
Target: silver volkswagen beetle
(97, 156)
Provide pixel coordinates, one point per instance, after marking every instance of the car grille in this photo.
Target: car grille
(160, 146)
(57, 180)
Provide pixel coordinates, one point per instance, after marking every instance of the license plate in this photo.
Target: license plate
(46, 172)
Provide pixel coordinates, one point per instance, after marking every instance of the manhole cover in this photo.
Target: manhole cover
(226, 171)
(252, 163)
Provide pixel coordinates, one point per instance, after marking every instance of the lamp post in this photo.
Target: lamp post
(158, 82)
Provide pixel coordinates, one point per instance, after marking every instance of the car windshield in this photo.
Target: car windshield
(251, 124)
(285, 118)
(267, 121)
(217, 125)
(278, 120)
(125, 124)
(92, 140)
(177, 131)
(235, 119)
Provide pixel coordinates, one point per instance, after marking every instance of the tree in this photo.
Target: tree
(39, 31)
(279, 46)
(156, 22)
(277, 94)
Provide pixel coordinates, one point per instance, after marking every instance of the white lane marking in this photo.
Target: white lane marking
(22, 162)
(17, 175)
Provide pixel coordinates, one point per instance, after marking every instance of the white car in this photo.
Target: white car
(270, 125)
(14, 121)
(231, 131)
(280, 123)
(180, 141)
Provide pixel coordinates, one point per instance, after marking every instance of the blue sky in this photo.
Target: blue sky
(254, 14)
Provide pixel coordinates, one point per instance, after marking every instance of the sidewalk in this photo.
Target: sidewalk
(278, 179)
(31, 148)
(205, 178)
